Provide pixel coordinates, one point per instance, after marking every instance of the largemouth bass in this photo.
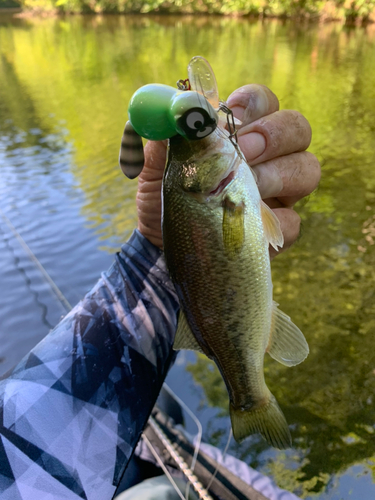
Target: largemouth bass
(216, 235)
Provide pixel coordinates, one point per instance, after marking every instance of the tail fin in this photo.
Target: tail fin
(268, 419)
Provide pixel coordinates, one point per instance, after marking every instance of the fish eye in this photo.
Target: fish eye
(196, 123)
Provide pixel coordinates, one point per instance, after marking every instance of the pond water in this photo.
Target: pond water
(64, 89)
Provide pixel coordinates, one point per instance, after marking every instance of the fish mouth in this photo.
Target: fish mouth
(223, 184)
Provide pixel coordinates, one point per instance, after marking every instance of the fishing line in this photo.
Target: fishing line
(46, 276)
(185, 469)
(21, 269)
(160, 462)
(198, 441)
(199, 433)
(223, 457)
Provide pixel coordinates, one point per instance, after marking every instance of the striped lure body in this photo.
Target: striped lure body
(131, 153)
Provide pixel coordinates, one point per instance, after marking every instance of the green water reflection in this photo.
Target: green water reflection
(79, 74)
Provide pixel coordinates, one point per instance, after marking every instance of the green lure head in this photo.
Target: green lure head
(158, 112)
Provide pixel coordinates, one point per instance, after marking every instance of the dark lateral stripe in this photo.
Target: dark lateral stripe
(127, 163)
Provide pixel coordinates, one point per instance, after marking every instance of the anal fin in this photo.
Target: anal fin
(287, 343)
(184, 338)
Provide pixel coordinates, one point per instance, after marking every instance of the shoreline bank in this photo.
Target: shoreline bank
(300, 18)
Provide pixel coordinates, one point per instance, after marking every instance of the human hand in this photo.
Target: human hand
(273, 143)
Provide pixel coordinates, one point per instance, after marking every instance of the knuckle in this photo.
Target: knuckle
(292, 125)
(314, 167)
(294, 228)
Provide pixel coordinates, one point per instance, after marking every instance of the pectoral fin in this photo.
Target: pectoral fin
(287, 343)
(233, 228)
(271, 226)
(184, 337)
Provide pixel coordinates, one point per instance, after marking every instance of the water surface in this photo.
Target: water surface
(64, 89)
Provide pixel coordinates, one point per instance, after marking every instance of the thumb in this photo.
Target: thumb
(149, 192)
(155, 157)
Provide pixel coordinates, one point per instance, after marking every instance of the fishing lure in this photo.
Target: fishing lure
(159, 112)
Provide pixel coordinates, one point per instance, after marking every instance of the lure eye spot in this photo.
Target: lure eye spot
(205, 132)
(196, 123)
(195, 120)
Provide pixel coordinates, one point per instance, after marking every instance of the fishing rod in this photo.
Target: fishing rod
(184, 468)
(197, 423)
(216, 479)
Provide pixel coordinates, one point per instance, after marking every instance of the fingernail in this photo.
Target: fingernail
(238, 111)
(238, 102)
(252, 145)
(269, 180)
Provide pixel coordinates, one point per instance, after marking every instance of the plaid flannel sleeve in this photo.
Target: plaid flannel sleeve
(72, 411)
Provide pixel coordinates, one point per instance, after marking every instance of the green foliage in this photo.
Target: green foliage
(351, 10)
(358, 9)
(9, 4)
(70, 6)
(294, 8)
